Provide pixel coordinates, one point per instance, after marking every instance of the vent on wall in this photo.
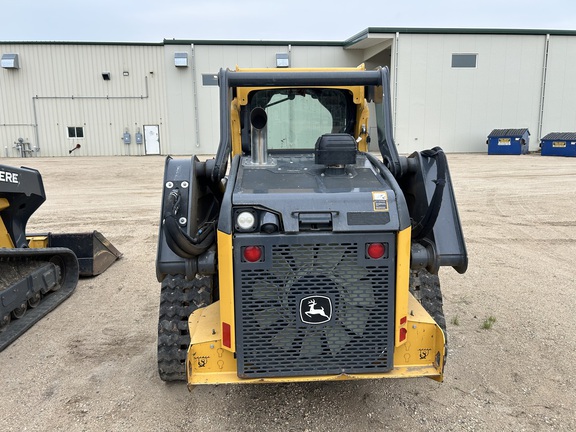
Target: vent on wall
(10, 61)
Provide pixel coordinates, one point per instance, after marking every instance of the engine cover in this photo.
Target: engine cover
(355, 198)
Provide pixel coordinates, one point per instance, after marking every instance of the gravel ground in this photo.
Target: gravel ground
(91, 363)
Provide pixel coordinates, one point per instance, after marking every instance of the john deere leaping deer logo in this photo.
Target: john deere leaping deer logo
(315, 309)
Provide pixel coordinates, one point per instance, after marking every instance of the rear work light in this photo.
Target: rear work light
(376, 250)
(246, 221)
(252, 253)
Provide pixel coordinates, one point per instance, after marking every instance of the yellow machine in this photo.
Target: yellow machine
(296, 254)
(38, 272)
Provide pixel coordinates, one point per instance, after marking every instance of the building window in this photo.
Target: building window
(209, 79)
(75, 132)
(464, 60)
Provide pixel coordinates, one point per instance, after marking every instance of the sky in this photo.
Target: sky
(287, 20)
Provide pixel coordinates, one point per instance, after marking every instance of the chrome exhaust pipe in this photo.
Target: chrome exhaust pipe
(259, 133)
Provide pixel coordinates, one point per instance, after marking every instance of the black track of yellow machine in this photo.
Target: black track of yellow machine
(34, 282)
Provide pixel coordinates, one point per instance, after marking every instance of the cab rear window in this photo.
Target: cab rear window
(297, 117)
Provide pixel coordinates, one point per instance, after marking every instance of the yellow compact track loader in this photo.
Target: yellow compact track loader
(39, 271)
(296, 254)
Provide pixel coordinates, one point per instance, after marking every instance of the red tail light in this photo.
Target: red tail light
(252, 253)
(376, 250)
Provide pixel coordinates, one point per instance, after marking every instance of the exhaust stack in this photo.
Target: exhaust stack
(259, 133)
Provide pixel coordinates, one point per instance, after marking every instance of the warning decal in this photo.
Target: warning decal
(380, 201)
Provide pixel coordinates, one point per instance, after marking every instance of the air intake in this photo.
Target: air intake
(335, 149)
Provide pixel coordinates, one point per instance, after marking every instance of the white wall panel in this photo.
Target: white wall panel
(560, 94)
(456, 108)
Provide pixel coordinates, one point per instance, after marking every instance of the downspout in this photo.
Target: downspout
(37, 147)
(195, 91)
(543, 88)
(395, 80)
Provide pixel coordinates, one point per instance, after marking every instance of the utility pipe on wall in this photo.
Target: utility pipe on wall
(543, 87)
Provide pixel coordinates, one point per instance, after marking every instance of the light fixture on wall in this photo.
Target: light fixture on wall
(181, 59)
(106, 76)
(125, 73)
(282, 60)
(10, 61)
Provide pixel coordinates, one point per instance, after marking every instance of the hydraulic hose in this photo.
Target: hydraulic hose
(425, 225)
(181, 243)
(403, 213)
(187, 246)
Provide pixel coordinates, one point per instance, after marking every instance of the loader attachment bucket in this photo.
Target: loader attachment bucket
(94, 251)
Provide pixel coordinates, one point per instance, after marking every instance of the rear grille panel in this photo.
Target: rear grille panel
(315, 305)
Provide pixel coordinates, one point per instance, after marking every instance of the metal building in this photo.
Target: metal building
(450, 86)
(64, 94)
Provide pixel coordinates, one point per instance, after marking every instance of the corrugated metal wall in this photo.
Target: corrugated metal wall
(61, 85)
(559, 114)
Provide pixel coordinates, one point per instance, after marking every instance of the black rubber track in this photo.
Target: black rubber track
(426, 288)
(17, 258)
(178, 299)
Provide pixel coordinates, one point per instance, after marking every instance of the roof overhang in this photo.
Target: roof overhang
(369, 37)
(370, 43)
(369, 40)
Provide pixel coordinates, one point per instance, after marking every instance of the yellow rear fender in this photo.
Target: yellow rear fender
(209, 362)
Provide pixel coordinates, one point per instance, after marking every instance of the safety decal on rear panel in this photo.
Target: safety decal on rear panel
(380, 201)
